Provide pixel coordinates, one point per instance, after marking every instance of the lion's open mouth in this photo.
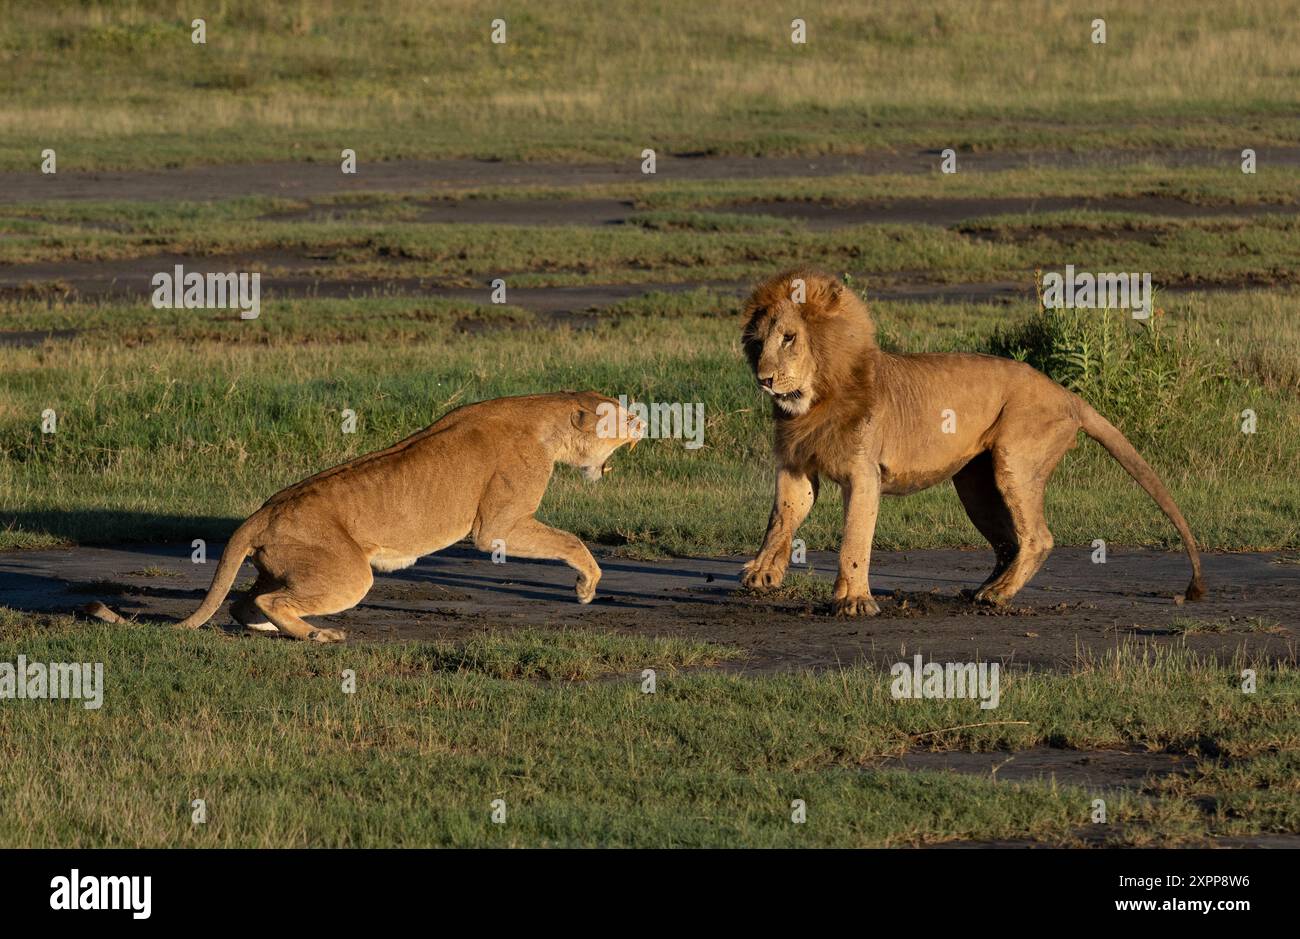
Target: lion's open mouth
(794, 395)
(796, 401)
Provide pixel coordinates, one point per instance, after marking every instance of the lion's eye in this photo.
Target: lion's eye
(788, 339)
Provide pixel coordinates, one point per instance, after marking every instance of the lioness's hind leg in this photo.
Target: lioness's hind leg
(988, 511)
(245, 611)
(314, 581)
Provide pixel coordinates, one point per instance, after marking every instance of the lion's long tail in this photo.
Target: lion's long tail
(238, 548)
(1106, 434)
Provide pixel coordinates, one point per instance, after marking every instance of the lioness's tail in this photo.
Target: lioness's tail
(1106, 434)
(239, 547)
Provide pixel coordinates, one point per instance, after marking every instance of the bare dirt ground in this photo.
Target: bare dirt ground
(1072, 606)
(306, 180)
(131, 280)
(817, 215)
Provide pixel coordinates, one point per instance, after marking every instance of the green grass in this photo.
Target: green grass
(153, 570)
(1148, 177)
(800, 585)
(175, 425)
(406, 79)
(1187, 625)
(264, 733)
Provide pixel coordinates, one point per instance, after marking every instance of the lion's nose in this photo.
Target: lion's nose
(765, 382)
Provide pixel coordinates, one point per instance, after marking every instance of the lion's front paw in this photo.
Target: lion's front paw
(586, 587)
(327, 635)
(759, 576)
(864, 605)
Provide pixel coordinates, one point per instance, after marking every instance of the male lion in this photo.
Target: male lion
(881, 423)
(481, 470)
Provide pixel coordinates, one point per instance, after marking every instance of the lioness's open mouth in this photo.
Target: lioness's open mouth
(594, 473)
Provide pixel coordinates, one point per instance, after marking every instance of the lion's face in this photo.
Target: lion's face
(805, 334)
(780, 354)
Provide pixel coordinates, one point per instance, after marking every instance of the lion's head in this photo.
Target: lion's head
(804, 334)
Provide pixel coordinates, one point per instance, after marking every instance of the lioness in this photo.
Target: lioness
(480, 470)
(880, 423)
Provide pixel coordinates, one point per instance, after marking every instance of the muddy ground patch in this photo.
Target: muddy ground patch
(1072, 607)
(307, 180)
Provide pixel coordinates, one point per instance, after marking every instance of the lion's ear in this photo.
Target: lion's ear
(827, 294)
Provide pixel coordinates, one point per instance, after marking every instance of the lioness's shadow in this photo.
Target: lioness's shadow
(114, 528)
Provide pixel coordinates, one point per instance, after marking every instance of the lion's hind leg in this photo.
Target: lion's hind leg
(1021, 474)
(980, 497)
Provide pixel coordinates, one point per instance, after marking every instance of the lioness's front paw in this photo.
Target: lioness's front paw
(990, 597)
(586, 588)
(864, 605)
(758, 576)
(327, 635)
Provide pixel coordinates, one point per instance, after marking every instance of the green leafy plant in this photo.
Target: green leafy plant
(1135, 371)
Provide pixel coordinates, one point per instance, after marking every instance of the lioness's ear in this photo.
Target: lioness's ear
(583, 419)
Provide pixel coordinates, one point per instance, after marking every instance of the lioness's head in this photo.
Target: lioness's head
(803, 330)
(598, 427)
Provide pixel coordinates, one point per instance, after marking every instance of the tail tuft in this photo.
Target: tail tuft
(101, 612)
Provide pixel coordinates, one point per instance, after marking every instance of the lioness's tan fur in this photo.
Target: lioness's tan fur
(481, 471)
(878, 423)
